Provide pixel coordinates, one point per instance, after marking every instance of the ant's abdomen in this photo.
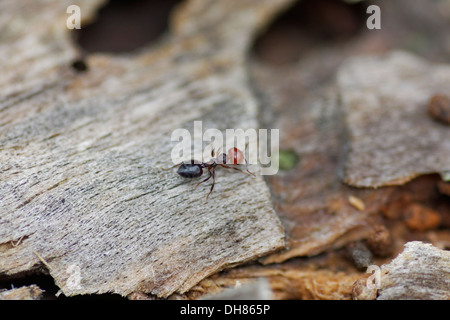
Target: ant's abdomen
(190, 170)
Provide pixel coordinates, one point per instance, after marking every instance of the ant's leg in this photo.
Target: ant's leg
(214, 181)
(179, 164)
(246, 168)
(228, 167)
(210, 175)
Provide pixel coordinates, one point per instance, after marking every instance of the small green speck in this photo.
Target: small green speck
(287, 159)
(445, 176)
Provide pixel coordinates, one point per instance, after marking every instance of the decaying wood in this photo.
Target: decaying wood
(391, 137)
(314, 205)
(421, 271)
(82, 193)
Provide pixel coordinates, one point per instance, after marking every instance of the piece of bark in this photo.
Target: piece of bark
(391, 138)
(82, 192)
(420, 272)
(32, 292)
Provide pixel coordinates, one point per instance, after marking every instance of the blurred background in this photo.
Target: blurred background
(420, 26)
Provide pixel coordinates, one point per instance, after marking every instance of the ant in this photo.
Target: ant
(195, 169)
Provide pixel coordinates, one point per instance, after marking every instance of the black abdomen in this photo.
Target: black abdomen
(190, 170)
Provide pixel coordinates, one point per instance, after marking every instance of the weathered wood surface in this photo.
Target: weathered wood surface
(391, 137)
(420, 272)
(82, 192)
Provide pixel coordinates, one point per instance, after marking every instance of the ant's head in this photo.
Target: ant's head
(235, 156)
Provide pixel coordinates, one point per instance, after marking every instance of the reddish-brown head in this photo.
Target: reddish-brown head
(235, 156)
